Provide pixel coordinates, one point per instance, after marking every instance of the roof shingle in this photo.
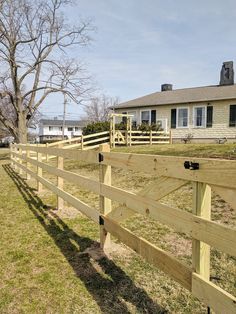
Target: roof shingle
(181, 96)
(56, 122)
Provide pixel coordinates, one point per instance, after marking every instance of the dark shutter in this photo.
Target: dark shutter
(173, 118)
(209, 116)
(153, 116)
(232, 115)
(124, 119)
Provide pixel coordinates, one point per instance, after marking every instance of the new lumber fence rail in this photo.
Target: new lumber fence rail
(173, 173)
(82, 142)
(128, 138)
(135, 137)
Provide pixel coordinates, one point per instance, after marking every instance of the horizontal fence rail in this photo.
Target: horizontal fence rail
(129, 138)
(172, 173)
(121, 137)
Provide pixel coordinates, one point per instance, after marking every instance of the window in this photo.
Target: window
(76, 129)
(50, 128)
(145, 116)
(232, 115)
(70, 129)
(182, 117)
(199, 117)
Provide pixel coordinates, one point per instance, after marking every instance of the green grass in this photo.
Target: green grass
(50, 261)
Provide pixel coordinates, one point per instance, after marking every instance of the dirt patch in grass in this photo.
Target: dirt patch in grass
(67, 212)
(116, 250)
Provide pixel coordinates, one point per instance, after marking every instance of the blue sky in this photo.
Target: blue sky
(138, 45)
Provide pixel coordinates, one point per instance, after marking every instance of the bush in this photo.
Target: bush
(144, 127)
(96, 127)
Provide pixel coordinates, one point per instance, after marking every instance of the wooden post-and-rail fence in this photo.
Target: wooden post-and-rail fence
(172, 173)
(123, 137)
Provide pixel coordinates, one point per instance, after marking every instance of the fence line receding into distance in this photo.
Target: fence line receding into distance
(173, 173)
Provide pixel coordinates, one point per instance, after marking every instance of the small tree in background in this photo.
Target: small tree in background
(99, 108)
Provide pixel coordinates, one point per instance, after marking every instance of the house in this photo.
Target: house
(51, 129)
(207, 113)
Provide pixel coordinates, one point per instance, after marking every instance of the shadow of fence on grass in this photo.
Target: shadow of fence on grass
(111, 291)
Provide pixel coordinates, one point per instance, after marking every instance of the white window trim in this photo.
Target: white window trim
(177, 118)
(149, 115)
(199, 127)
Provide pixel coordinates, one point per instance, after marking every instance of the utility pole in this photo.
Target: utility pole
(64, 116)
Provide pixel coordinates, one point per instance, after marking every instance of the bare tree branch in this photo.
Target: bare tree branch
(34, 40)
(98, 108)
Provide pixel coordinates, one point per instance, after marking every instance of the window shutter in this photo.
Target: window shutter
(153, 116)
(232, 115)
(209, 116)
(173, 118)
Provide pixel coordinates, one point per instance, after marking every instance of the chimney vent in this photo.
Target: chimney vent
(166, 87)
(227, 73)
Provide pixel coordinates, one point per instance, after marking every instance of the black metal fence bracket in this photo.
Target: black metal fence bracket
(191, 165)
(101, 221)
(100, 157)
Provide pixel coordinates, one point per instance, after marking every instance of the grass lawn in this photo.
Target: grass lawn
(227, 151)
(50, 260)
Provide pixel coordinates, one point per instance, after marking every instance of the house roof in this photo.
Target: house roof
(56, 122)
(181, 96)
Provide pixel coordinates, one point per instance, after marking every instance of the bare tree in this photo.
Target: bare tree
(98, 109)
(3, 131)
(34, 40)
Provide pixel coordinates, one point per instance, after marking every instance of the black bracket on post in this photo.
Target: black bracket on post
(191, 165)
(101, 221)
(100, 157)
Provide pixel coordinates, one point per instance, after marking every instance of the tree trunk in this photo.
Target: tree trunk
(21, 136)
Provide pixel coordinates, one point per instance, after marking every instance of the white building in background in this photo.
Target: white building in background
(51, 129)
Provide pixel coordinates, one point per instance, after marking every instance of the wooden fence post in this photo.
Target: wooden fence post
(39, 171)
(15, 157)
(11, 155)
(202, 208)
(82, 142)
(170, 137)
(150, 137)
(27, 163)
(127, 138)
(60, 182)
(20, 160)
(105, 203)
(113, 132)
(47, 156)
(130, 131)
